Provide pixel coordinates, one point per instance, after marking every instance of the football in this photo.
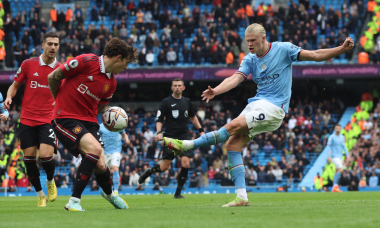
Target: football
(115, 119)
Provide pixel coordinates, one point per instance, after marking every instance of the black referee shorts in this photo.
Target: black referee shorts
(35, 135)
(70, 131)
(169, 154)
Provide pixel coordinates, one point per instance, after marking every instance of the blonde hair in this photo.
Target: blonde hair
(255, 28)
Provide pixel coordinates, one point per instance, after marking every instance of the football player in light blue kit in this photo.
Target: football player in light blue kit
(271, 67)
(112, 151)
(4, 112)
(337, 145)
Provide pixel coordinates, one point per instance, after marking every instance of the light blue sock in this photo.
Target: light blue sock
(236, 168)
(337, 178)
(116, 180)
(212, 138)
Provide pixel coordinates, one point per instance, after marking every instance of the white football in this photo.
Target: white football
(115, 119)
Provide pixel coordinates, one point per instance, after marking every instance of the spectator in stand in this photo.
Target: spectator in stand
(23, 182)
(171, 57)
(373, 180)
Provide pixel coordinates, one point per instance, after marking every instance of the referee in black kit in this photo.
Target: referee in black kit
(177, 110)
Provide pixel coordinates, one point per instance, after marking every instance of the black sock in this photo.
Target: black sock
(156, 169)
(49, 167)
(181, 180)
(84, 174)
(104, 180)
(33, 172)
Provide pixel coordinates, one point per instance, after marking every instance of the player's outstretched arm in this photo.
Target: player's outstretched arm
(326, 54)
(55, 79)
(11, 93)
(227, 84)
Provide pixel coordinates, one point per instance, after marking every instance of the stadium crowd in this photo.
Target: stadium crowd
(170, 32)
(362, 167)
(304, 131)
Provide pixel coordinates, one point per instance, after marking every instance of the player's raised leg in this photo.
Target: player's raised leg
(46, 155)
(236, 126)
(34, 174)
(236, 167)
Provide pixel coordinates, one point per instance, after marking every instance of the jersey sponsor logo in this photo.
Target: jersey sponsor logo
(90, 77)
(35, 74)
(173, 105)
(106, 87)
(266, 79)
(77, 129)
(83, 89)
(263, 66)
(33, 84)
(73, 63)
(175, 113)
(186, 114)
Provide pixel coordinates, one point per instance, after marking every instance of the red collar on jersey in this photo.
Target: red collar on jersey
(270, 45)
(103, 68)
(51, 65)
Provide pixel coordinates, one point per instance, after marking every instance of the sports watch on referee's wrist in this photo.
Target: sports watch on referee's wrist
(201, 130)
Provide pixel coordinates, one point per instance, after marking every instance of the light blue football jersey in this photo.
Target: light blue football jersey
(272, 73)
(337, 145)
(111, 140)
(3, 110)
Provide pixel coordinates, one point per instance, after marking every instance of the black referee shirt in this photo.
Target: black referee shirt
(177, 113)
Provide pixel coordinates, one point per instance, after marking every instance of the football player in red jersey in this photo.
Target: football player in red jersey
(35, 130)
(88, 85)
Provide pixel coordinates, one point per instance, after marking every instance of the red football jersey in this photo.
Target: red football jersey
(86, 85)
(37, 104)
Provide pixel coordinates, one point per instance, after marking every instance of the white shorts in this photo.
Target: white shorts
(113, 160)
(262, 116)
(337, 162)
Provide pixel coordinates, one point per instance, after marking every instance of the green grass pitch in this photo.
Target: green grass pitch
(348, 209)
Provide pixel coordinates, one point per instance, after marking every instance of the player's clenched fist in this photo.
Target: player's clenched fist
(348, 44)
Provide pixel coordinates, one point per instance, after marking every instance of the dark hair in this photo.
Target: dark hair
(178, 80)
(116, 47)
(50, 34)
(337, 125)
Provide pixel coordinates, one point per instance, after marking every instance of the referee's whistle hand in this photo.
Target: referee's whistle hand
(159, 137)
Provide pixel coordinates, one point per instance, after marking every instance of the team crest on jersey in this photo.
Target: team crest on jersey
(186, 114)
(106, 87)
(263, 66)
(175, 113)
(77, 129)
